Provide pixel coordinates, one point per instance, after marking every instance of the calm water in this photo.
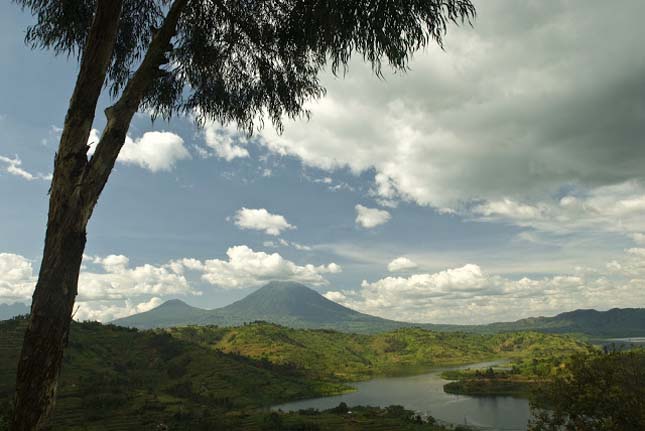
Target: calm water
(424, 394)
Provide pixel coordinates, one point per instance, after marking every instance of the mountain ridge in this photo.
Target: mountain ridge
(298, 306)
(284, 303)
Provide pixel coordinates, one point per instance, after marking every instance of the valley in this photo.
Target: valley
(119, 378)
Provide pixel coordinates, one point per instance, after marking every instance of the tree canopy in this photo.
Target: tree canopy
(597, 392)
(243, 60)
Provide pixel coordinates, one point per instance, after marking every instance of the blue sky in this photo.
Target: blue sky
(499, 179)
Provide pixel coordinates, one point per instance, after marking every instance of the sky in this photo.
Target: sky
(499, 178)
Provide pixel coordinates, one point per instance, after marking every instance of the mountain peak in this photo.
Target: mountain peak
(285, 285)
(174, 303)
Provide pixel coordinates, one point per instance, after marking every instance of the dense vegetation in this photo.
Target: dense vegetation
(347, 357)
(520, 379)
(596, 392)
(116, 378)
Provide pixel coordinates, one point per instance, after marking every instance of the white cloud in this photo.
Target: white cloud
(116, 291)
(618, 208)
(369, 218)
(467, 294)
(285, 243)
(227, 142)
(520, 107)
(335, 296)
(119, 282)
(247, 268)
(401, 264)
(638, 238)
(155, 151)
(17, 279)
(261, 219)
(106, 311)
(13, 167)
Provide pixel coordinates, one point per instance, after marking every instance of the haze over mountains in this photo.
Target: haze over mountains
(295, 305)
(7, 311)
(285, 303)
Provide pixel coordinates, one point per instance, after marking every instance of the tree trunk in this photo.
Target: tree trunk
(53, 299)
(76, 187)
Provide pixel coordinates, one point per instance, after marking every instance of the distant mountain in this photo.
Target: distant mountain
(617, 322)
(171, 313)
(295, 305)
(7, 311)
(284, 303)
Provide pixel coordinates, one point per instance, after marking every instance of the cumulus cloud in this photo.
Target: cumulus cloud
(247, 268)
(468, 294)
(369, 218)
(17, 278)
(261, 219)
(638, 238)
(226, 141)
(119, 282)
(108, 287)
(531, 101)
(154, 151)
(616, 208)
(401, 264)
(13, 167)
(335, 296)
(106, 311)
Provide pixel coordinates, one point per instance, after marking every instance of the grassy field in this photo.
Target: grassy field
(225, 378)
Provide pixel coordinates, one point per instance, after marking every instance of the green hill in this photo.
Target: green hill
(343, 357)
(116, 378)
(197, 377)
(617, 322)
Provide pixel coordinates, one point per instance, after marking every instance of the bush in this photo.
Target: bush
(596, 392)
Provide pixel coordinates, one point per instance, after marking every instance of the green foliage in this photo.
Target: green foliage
(113, 374)
(538, 364)
(597, 392)
(236, 61)
(324, 354)
(212, 378)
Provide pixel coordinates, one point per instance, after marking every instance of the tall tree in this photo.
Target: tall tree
(233, 61)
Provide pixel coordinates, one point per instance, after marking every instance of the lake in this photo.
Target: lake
(424, 394)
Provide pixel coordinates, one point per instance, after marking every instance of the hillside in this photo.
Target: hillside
(207, 377)
(118, 379)
(297, 306)
(349, 357)
(617, 322)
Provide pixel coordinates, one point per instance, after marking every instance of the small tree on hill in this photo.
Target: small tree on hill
(234, 61)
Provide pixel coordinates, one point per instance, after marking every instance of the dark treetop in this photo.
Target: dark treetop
(242, 60)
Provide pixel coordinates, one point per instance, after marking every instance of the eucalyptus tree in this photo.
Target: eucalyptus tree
(232, 61)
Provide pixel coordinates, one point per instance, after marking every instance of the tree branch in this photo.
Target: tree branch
(120, 114)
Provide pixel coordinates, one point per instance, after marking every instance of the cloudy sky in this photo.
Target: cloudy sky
(498, 179)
